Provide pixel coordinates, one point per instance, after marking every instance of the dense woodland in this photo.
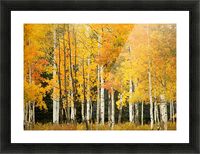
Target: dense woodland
(88, 76)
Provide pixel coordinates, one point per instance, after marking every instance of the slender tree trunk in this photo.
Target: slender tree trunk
(65, 78)
(29, 112)
(98, 93)
(25, 115)
(31, 107)
(30, 82)
(27, 120)
(130, 103)
(71, 76)
(71, 96)
(102, 110)
(57, 111)
(131, 93)
(65, 113)
(29, 102)
(88, 92)
(84, 95)
(112, 108)
(71, 99)
(88, 111)
(150, 82)
(142, 113)
(59, 82)
(33, 112)
(109, 109)
(72, 107)
(151, 114)
(102, 96)
(171, 111)
(163, 104)
(133, 110)
(163, 112)
(155, 115)
(98, 82)
(120, 110)
(82, 111)
(30, 123)
(69, 103)
(55, 99)
(75, 71)
(68, 108)
(137, 113)
(91, 110)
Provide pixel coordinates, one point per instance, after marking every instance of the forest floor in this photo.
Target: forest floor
(81, 126)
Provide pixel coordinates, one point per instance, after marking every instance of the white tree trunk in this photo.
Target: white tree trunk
(137, 113)
(33, 112)
(109, 109)
(71, 100)
(102, 96)
(133, 110)
(54, 76)
(72, 107)
(155, 115)
(88, 111)
(98, 93)
(98, 82)
(130, 103)
(150, 82)
(55, 99)
(88, 93)
(69, 104)
(55, 111)
(25, 115)
(171, 111)
(163, 112)
(31, 105)
(142, 113)
(120, 110)
(150, 98)
(112, 108)
(29, 102)
(82, 111)
(91, 110)
(29, 112)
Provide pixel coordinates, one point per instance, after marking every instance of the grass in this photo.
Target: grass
(122, 126)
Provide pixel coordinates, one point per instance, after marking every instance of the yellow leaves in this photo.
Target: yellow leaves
(34, 93)
(122, 100)
(171, 91)
(126, 51)
(140, 93)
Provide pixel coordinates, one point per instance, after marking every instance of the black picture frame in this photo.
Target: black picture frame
(144, 5)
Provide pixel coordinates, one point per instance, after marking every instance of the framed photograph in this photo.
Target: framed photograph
(99, 76)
